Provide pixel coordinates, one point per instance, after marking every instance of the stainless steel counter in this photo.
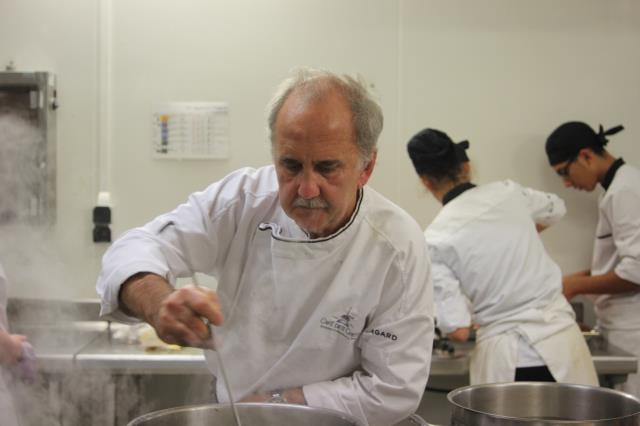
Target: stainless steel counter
(121, 357)
(127, 381)
(608, 360)
(92, 346)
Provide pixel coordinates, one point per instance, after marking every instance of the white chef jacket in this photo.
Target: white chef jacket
(617, 248)
(489, 263)
(349, 317)
(7, 409)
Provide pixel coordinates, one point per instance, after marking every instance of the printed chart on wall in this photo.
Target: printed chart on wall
(191, 130)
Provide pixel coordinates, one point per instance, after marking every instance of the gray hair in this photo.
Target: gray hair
(367, 114)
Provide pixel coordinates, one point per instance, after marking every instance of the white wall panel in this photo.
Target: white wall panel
(500, 73)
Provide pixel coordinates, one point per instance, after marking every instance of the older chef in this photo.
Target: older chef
(324, 285)
(491, 269)
(577, 154)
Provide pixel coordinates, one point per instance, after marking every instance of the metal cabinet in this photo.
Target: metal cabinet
(27, 147)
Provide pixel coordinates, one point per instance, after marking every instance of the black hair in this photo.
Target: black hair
(566, 141)
(436, 156)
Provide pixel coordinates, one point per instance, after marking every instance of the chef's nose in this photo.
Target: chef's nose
(308, 186)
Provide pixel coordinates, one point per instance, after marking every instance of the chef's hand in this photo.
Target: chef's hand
(177, 315)
(571, 282)
(460, 334)
(10, 348)
(182, 314)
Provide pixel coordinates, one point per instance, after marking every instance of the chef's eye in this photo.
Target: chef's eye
(290, 165)
(326, 167)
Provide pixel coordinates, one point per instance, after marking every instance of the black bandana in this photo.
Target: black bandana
(431, 145)
(567, 140)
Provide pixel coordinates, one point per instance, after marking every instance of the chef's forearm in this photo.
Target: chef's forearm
(141, 295)
(609, 283)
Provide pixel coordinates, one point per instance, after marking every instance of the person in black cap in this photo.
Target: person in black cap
(578, 155)
(490, 269)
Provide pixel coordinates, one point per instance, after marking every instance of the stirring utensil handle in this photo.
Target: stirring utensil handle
(234, 409)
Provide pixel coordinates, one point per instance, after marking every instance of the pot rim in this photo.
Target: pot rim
(460, 390)
(195, 407)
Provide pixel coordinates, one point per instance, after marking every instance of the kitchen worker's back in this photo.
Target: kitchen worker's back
(490, 269)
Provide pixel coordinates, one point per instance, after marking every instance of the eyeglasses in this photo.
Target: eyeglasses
(564, 170)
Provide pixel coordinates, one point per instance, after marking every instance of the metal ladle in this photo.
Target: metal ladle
(211, 340)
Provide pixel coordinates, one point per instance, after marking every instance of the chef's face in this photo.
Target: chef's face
(578, 172)
(317, 162)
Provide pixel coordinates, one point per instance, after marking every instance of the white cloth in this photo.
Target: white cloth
(7, 409)
(564, 352)
(349, 317)
(485, 249)
(617, 248)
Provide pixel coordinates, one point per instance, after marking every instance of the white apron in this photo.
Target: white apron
(554, 335)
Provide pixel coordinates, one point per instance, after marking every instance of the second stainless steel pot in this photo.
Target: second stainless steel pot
(542, 404)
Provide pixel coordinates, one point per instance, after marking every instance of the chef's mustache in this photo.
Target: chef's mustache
(311, 203)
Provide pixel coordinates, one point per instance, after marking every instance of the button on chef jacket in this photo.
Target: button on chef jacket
(349, 317)
(490, 268)
(617, 248)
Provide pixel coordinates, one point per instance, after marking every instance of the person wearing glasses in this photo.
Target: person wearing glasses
(578, 155)
(490, 268)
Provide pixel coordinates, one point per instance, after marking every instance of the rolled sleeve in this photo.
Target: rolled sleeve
(545, 208)
(157, 248)
(119, 263)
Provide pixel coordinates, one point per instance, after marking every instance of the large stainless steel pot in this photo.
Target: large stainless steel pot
(538, 404)
(251, 414)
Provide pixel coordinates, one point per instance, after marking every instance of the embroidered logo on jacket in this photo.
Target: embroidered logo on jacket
(341, 324)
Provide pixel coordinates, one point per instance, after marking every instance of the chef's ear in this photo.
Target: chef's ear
(428, 183)
(587, 155)
(466, 169)
(368, 169)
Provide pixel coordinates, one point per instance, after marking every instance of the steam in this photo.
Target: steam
(29, 254)
(21, 168)
(64, 394)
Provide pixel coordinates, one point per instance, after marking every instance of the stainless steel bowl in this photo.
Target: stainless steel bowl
(537, 403)
(251, 414)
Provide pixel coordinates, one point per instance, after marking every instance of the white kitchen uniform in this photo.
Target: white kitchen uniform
(7, 409)
(349, 317)
(617, 248)
(490, 267)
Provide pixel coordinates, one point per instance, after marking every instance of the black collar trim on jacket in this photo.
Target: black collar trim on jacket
(270, 226)
(611, 173)
(457, 190)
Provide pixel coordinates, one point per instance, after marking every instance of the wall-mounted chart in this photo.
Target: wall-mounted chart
(191, 130)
